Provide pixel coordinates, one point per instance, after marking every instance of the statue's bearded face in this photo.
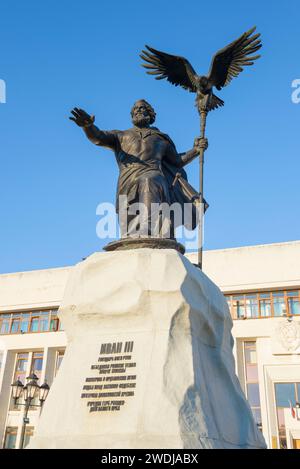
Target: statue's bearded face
(142, 114)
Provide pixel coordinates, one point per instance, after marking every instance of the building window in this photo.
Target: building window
(37, 364)
(25, 322)
(59, 358)
(293, 302)
(36, 368)
(286, 396)
(54, 322)
(264, 304)
(20, 373)
(21, 367)
(251, 380)
(34, 324)
(15, 325)
(10, 437)
(29, 431)
(279, 303)
(24, 326)
(4, 323)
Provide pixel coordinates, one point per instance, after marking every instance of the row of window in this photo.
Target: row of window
(29, 322)
(251, 305)
(264, 304)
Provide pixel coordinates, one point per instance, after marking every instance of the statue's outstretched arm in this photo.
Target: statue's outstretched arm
(96, 136)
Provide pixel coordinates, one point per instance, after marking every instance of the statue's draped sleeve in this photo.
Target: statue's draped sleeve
(103, 138)
(108, 139)
(179, 159)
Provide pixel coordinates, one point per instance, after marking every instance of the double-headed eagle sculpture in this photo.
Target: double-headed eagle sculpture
(226, 64)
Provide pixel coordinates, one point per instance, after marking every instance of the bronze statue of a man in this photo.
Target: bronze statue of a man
(151, 169)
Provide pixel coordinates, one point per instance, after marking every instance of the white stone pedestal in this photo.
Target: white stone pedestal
(149, 360)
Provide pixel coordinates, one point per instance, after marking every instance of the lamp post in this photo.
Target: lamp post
(29, 392)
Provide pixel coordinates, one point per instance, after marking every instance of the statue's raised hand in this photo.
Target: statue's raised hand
(82, 118)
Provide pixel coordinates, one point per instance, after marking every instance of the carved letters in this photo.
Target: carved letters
(115, 379)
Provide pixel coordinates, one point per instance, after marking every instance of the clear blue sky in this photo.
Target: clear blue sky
(57, 55)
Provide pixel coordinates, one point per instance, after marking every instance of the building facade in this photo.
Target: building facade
(262, 287)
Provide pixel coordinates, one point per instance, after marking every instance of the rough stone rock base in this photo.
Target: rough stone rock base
(149, 360)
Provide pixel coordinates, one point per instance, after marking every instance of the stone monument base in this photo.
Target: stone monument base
(149, 360)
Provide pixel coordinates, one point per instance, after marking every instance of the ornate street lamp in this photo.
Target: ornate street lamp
(29, 392)
(44, 391)
(17, 388)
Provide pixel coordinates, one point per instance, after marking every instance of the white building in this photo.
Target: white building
(262, 284)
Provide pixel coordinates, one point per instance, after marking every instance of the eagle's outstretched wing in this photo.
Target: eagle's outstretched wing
(227, 63)
(175, 69)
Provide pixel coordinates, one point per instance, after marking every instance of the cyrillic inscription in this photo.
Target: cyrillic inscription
(116, 380)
